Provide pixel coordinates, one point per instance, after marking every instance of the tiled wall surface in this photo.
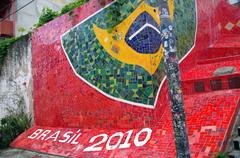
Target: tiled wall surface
(84, 78)
(80, 68)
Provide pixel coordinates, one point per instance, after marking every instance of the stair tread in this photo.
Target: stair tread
(235, 152)
(227, 42)
(236, 139)
(218, 59)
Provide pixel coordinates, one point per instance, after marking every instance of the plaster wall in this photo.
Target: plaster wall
(16, 77)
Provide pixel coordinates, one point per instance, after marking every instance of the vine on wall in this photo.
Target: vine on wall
(5, 46)
(47, 15)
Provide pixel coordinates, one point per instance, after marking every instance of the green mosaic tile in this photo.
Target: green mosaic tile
(96, 66)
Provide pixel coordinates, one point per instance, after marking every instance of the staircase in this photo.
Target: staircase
(234, 143)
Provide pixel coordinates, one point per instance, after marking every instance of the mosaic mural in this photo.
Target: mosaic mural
(93, 125)
(124, 63)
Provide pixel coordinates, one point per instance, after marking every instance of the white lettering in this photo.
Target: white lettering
(94, 146)
(44, 134)
(67, 135)
(54, 136)
(141, 143)
(112, 147)
(35, 134)
(75, 139)
(126, 144)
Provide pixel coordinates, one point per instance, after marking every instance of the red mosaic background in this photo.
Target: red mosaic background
(63, 102)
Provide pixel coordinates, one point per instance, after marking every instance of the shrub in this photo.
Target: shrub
(5, 44)
(12, 125)
(221, 155)
(69, 7)
(21, 29)
(46, 16)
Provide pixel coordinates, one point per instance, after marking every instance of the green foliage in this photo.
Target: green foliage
(5, 44)
(69, 7)
(46, 16)
(221, 155)
(12, 125)
(21, 29)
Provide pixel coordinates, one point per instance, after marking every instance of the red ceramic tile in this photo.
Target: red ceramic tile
(71, 113)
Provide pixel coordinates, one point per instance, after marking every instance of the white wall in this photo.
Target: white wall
(28, 16)
(16, 77)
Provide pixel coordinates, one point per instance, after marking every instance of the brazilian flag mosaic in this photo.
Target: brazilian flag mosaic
(124, 63)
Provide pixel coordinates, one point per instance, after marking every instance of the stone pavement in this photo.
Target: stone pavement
(19, 153)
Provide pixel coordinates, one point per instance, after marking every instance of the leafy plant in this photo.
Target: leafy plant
(69, 7)
(16, 122)
(21, 29)
(5, 44)
(221, 155)
(46, 16)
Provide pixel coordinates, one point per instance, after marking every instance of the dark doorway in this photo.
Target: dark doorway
(199, 86)
(234, 82)
(216, 84)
